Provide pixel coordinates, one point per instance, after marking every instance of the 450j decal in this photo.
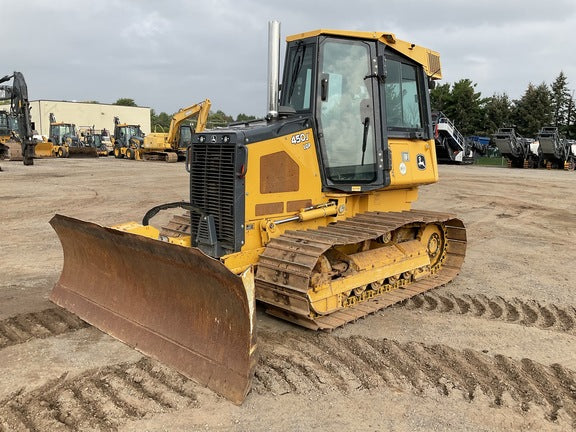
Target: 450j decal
(300, 138)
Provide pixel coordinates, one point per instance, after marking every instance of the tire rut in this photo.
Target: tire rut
(38, 325)
(527, 313)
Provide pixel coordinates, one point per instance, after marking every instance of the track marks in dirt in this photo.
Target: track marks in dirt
(49, 322)
(100, 399)
(309, 363)
(527, 313)
(299, 363)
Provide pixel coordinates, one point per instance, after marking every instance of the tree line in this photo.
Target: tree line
(161, 122)
(540, 105)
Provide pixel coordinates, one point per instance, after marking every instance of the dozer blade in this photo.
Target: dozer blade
(13, 150)
(173, 303)
(82, 152)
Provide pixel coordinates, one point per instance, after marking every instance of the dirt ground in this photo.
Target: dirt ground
(495, 350)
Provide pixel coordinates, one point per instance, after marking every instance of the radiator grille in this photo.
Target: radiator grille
(212, 188)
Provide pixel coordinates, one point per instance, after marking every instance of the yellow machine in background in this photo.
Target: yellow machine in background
(98, 139)
(64, 142)
(307, 211)
(171, 146)
(127, 139)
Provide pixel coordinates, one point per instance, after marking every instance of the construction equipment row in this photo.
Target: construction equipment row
(130, 142)
(18, 142)
(547, 150)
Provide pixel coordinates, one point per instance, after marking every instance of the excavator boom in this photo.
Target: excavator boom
(202, 109)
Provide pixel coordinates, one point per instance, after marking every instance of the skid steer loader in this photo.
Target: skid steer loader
(307, 211)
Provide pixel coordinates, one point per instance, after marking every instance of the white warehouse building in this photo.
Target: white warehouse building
(85, 115)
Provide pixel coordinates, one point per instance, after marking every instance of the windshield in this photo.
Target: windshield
(64, 129)
(346, 112)
(185, 136)
(131, 131)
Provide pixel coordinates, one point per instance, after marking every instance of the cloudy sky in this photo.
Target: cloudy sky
(170, 54)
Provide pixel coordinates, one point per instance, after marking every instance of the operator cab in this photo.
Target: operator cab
(361, 93)
(4, 124)
(59, 133)
(126, 133)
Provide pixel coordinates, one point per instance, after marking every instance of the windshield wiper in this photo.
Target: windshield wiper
(300, 51)
(365, 137)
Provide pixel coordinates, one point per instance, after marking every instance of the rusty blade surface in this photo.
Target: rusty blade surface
(173, 303)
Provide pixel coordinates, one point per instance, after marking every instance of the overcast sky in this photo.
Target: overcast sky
(170, 54)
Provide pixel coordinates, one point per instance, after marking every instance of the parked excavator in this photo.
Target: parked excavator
(307, 211)
(63, 142)
(171, 146)
(127, 139)
(17, 142)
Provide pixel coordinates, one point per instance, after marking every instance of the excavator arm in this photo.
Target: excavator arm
(201, 109)
(17, 93)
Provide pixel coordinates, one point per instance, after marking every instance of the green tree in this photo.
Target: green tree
(160, 122)
(561, 100)
(219, 118)
(243, 117)
(497, 113)
(461, 104)
(466, 108)
(533, 110)
(571, 116)
(125, 102)
(440, 97)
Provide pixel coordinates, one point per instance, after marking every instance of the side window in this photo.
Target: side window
(297, 85)
(402, 100)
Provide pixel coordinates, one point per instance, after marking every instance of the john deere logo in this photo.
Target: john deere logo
(420, 161)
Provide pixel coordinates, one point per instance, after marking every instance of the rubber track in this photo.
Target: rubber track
(310, 244)
(527, 313)
(43, 324)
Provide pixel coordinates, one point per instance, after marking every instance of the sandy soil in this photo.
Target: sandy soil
(495, 350)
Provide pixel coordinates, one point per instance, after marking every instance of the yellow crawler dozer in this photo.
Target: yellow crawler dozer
(307, 211)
